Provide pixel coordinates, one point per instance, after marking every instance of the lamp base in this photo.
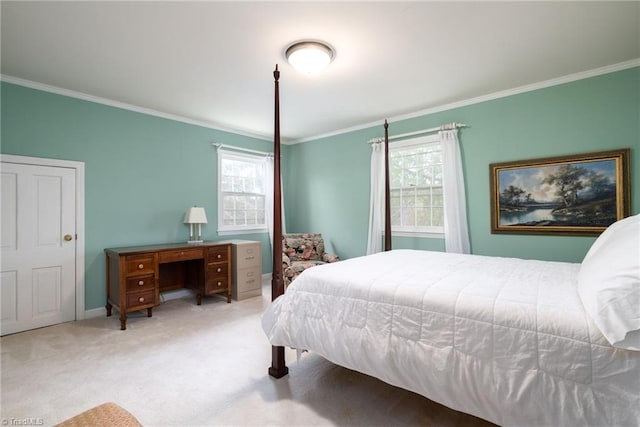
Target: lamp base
(195, 242)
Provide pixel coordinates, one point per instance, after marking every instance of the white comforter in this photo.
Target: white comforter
(501, 338)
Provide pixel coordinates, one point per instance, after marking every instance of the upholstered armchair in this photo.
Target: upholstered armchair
(301, 251)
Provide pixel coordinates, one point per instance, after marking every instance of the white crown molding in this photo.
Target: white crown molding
(502, 94)
(104, 101)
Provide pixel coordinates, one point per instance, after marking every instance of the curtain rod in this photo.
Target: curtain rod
(446, 126)
(219, 145)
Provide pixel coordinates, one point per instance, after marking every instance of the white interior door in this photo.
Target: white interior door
(38, 235)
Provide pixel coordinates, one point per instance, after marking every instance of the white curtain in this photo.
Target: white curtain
(456, 233)
(268, 204)
(376, 204)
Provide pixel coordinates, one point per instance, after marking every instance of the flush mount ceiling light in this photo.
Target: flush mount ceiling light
(309, 56)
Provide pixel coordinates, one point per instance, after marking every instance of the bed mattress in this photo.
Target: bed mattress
(504, 339)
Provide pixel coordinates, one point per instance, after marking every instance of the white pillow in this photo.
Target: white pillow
(609, 283)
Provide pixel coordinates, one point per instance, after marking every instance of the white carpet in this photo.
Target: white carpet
(192, 365)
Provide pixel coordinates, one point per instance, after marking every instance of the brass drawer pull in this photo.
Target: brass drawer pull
(140, 266)
(141, 299)
(141, 282)
(219, 256)
(219, 283)
(219, 270)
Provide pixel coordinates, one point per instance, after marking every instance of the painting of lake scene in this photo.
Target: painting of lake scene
(572, 195)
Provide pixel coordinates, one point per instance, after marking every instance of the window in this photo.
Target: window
(241, 193)
(415, 175)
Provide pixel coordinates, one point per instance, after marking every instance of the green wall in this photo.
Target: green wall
(141, 172)
(594, 114)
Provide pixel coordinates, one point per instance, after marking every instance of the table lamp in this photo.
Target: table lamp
(195, 217)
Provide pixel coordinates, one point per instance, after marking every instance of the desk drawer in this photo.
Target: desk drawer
(216, 284)
(218, 254)
(180, 255)
(141, 299)
(140, 264)
(139, 283)
(217, 270)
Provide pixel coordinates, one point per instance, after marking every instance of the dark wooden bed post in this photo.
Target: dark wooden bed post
(387, 196)
(278, 369)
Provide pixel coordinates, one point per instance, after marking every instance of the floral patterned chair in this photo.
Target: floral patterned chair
(301, 251)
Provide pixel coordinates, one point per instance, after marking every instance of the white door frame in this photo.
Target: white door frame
(79, 169)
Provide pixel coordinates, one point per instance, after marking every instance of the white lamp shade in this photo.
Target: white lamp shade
(195, 215)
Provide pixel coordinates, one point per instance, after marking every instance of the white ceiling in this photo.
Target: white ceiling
(212, 62)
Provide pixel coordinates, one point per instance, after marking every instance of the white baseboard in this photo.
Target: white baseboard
(95, 312)
(164, 297)
(175, 294)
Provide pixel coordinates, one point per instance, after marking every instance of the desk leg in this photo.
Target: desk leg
(198, 298)
(123, 321)
(149, 311)
(108, 307)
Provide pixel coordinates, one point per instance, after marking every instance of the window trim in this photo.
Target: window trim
(227, 230)
(407, 231)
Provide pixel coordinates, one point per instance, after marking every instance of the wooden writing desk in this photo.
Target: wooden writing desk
(136, 275)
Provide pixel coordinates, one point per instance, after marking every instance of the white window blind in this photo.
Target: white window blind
(241, 192)
(416, 176)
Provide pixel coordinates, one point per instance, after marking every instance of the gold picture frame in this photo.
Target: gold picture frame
(581, 194)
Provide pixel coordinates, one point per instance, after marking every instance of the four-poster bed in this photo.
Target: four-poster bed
(508, 340)
(278, 367)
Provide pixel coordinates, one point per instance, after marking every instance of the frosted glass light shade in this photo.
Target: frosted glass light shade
(195, 215)
(309, 56)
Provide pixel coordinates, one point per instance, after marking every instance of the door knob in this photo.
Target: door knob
(68, 237)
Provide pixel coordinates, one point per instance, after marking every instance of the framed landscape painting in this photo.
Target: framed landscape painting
(575, 195)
